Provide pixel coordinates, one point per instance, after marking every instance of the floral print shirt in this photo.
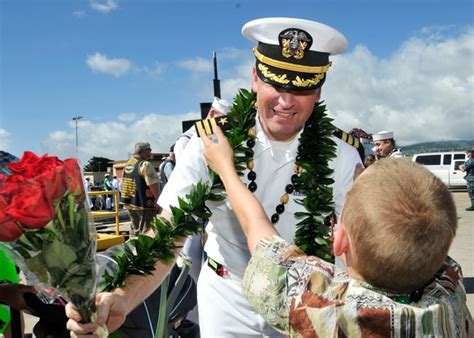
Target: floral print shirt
(303, 296)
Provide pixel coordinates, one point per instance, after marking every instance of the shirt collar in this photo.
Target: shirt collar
(263, 143)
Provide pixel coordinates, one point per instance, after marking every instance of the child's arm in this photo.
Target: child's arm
(248, 209)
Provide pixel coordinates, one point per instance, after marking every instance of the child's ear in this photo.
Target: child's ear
(341, 242)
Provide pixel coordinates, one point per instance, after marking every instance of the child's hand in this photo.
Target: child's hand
(219, 156)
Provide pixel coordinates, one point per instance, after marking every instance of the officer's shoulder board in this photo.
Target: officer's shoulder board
(206, 126)
(348, 138)
(351, 140)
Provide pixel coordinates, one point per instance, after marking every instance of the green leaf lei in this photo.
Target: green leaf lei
(141, 253)
(313, 236)
(315, 150)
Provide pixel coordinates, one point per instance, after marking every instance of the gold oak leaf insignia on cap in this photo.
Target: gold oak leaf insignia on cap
(294, 42)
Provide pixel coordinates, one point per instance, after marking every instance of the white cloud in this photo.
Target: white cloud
(240, 77)
(125, 117)
(4, 139)
(60, 136)
(104, 6)
(116, 139)
(197, 64)
(79, 13)
(155, 71)
(100, 63)
(423, 91)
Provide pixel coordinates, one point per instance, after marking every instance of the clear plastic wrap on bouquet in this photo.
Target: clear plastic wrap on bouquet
(46, 222)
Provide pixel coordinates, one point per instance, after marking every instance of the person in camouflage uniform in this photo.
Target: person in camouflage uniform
(468, 168)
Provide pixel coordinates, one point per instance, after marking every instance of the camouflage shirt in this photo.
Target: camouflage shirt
(303, 296)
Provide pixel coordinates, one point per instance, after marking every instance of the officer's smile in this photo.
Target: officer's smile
(284, 114)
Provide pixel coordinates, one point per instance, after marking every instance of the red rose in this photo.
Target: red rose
(30, 165)
(9, 230)
(29, 194)
(48, 171)
(26, 161)
(31, 207)
(74, 177)
(53, 183)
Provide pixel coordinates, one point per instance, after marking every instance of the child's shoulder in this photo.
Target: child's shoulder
(440, 305)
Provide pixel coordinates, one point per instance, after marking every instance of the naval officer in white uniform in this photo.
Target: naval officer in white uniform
(283, 108)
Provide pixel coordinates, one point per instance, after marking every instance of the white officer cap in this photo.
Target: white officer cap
(221, 105)
(382, 135)
(293, 53)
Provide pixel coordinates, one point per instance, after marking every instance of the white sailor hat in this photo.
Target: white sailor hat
(382, 135)
(293, 53)
(221, 105)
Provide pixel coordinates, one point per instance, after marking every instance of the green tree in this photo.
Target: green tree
(98, 164)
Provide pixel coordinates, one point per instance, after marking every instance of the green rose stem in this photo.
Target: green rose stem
(160, 329)
(60, 217)
(85, 306)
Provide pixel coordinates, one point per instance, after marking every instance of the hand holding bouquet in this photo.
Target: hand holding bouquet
(45, 221)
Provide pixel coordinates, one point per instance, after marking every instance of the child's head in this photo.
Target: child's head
(400, 220)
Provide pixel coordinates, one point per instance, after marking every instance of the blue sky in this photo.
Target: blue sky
(135, 69)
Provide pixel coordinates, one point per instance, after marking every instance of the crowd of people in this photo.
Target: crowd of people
(392, 275)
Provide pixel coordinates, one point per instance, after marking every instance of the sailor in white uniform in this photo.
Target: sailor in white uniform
(385, 146)
(283, 108)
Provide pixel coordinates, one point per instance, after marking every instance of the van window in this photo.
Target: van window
(457, 164)
(459, 156)
(429, 159)
(447, 159)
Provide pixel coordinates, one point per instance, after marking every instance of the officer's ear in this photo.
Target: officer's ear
(254, 79)
(318, 94)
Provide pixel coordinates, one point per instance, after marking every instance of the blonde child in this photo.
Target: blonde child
(395, 231)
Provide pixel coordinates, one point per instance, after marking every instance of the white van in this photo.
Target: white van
(445, 165)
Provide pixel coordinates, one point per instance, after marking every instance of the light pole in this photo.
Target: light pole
(76, 119)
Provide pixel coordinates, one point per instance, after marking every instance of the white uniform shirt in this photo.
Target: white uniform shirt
(274, 166)
(396, 153)
(182, 142)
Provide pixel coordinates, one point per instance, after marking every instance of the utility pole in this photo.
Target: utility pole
(76, 119)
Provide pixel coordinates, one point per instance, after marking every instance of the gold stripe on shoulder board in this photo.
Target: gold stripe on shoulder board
(199, 128)
(356, 142)
(350, 139)
(207, 126)
(344, 136)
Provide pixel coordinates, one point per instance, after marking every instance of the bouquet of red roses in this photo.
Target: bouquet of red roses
(45, 221)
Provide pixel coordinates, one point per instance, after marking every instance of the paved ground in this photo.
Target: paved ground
(462, 249)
